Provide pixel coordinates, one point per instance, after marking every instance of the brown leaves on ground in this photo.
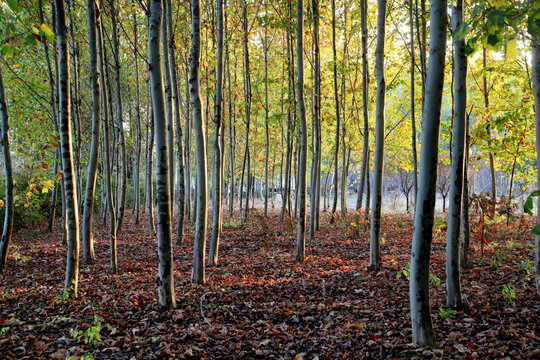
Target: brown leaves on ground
(259, 304)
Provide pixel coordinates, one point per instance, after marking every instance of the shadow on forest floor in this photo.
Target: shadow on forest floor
(259, 304)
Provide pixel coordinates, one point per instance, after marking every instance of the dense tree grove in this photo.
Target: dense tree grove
(176, 111)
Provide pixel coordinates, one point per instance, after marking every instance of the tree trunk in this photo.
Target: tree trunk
(422, 328)
(488, 130)
(302, 164)
(378, 166)
(218, 120)
(453, 282)
(166, 274)
(536, 92)
(169, 103)
(107, 112)
(121, 200)
(88, 209)
(364, 170)
(64, 112)
(8, 173)
(315, 164)
(413, 100)
(180, 154)
(465, 226)
(266, 119)
(197, 275)
(137, 161)
(336, 99)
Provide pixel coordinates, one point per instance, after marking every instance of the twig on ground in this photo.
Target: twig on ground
(202, 312)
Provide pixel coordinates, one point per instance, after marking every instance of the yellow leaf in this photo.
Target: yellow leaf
(511, 49)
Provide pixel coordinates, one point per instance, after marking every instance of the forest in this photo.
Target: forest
(269, 179)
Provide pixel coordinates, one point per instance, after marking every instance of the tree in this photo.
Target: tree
(336, 99)
(88, 208)
(422, 327)
(453, 282)
(536, 93)
(378, 166)
(218, 120)
(166, 274)
(300, 236)
(443, 182)
(8, 174)
(365, 87)
(64, 111)
(197, 275)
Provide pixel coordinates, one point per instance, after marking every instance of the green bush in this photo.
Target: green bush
(32, 198)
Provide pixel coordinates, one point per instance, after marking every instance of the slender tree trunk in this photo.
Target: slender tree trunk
(465, 226)
(364, 170)
(422, 328)
(378, 166)
(266, 116)
(8, 174)
(488, 130)
(150, 177)
(315, 164)
(218, 120)
(88, 209)
(121, 200)
(338, 119)
(413, 100)
(64, 111)
(302, 164)
(247, 94)
(453, 282)
(197, 275)
(180, 154)
(187, 147)
(137, 162)
(536, 92)
(107, 113)
(169, 103)
(166, 274)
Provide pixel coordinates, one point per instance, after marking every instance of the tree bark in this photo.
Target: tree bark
(121, 199)
(536, 93)
(413, 100)
(137, 161)
(197, 275)
(8, 174)
(64, 112)
(378, 166)
(166, 274)
(364, 170)
(167, 70)
(302, 164)
(180, 154)
(88, 209)
(316, 166)
(465, 226)
(338, 119)
(422, 328)
(453, 282)
(218, 120)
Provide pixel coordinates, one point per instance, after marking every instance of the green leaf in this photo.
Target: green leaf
(461, 31)
(7, 50)
(536, 230)
(45, 30)
(14, 5)
(31, 39)
(528, 206)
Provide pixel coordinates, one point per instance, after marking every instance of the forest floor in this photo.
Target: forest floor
(259, 304)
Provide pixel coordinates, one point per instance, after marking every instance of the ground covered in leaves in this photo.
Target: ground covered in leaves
(259, 304)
